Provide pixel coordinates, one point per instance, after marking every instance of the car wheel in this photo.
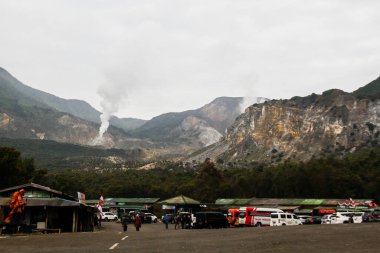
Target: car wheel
(258, 224)
(155, 221)
(106, 219)
(115, 219)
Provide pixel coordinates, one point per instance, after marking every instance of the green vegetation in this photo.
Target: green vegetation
(371, 90)
(14, 170)
(356, 176)
(53, 155)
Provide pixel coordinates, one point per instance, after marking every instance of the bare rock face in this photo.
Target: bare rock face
(73, 130)
(334, 123)
(5, 121)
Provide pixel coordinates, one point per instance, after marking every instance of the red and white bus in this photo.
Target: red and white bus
(256, 216)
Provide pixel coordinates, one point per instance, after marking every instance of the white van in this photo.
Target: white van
(352, 217)
(284, 219)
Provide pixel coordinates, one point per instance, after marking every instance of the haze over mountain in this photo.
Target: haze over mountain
(334, 123)
(29, 113)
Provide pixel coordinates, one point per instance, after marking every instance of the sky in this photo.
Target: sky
(143, 58)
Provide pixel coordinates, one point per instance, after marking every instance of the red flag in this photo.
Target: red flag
(101, 201)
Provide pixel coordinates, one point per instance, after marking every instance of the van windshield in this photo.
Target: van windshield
(242, 214)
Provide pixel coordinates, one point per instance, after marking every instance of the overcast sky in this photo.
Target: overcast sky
(158, 56)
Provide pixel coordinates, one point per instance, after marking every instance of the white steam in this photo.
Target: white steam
(248, 101)
(112, 96)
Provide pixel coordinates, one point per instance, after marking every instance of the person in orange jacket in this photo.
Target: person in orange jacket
(17, 206)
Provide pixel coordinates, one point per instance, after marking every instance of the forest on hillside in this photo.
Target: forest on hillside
(356, 175)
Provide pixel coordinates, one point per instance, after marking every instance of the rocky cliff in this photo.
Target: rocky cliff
(333, 123)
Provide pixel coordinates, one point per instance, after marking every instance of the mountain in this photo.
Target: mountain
(371, 90)
(12, 88)
(27, 113)
(334, 123)
(202, 127)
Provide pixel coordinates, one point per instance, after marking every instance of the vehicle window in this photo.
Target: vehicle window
(229, 214)
(283, 216)
(242, 214)
(296, 217)
(288, 216)
(275, 216)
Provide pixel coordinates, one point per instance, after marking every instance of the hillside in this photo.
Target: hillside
(334, 123)
(26, 113)
(202, 127)
(25, 95)
(54, 155)
(371, 90)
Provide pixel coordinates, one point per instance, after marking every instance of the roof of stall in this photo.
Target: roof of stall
(32, 187)
(180, 200)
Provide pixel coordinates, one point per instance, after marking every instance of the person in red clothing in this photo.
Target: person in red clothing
(137, 222)
(17, 206)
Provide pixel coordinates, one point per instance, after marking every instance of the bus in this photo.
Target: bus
(256, 216)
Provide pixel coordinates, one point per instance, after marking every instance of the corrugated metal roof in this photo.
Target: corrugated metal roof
(232, 202)
(36, 186)
(120, 202)
(43, 202)
(225, 201)
(133, 200)
(287, 207)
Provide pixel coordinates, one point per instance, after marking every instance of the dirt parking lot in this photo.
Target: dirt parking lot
(309, 238)
(347, 238)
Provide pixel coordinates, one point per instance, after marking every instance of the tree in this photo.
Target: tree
(14, 170)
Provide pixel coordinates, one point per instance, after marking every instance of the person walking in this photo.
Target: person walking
(177, 221)
(137, 222)
(166, 221)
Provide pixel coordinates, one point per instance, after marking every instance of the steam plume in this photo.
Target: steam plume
(112, 96)
(248, 101)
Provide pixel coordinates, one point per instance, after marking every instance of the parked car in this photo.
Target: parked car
(144, 218)
(339, 218)
(354, 217)
(210, 220)
(326, 219)
(314, 220)
(150, 218)
(305, 219)
(187, 219)
(284, 219)
(108, 216)
(376, 215)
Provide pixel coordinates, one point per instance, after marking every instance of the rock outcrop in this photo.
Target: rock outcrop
(333, 123)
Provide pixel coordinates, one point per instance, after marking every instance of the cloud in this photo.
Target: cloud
(177, 55)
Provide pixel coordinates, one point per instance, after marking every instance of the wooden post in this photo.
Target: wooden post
(75, 215)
